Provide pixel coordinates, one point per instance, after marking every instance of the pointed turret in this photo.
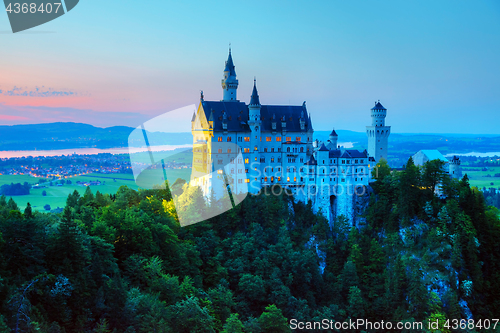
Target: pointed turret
(254, 99)
(229, 65)
(333, 138)
(229, 82)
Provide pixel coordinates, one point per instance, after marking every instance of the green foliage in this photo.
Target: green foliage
(273, 321)
(122, 263)
(233, 325)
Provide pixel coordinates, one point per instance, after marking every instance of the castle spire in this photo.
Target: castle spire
(254, 100)
(229, 82)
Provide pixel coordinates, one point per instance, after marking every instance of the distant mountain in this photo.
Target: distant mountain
(76, 135)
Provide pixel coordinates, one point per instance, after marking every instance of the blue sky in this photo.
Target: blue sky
(433, 64)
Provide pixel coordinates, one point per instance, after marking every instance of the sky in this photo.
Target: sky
(435, 65)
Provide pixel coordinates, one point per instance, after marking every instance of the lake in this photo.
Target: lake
(86, 151)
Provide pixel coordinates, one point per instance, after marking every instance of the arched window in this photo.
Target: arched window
(288, 149)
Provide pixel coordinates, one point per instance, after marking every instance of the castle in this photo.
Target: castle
(251, 147)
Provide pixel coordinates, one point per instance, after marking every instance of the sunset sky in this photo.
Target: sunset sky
(435, 65)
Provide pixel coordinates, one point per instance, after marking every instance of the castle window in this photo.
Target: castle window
(272, 150)
(272, 179)
(343, 161)
(246, 170)
(247, 161)
(356, 161)
(265, 179)
(279, 159)
(279, 179)
(228, 139)
(239, 139)
(288, 138)
(247, 139)
(255, 158)
(348, 161)
(229, 150)
(219, 161)
(279, 150)
(301, 179)
(219, 139)
(301, 160)
(246, 150)
(356, 179)
(272, 159)
(295, 179)
(265, 150)
(361, 161)
(298, 138)
(220, 150)
(247, 180)
(288, 169)
(301, 149)
(232, 171)
(239, 170)
(269, 139)
(288, 149)
(262, 159)
(288, 179)
(240, 160)
(278, 138)
(240, 181)
(278, 169)
(256, 148)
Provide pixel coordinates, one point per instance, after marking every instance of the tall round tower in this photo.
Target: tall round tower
(254, 122)
(455, 169)
(229, 82)
(378, 133)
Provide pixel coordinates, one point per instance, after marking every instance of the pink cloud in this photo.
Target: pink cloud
(6, 117)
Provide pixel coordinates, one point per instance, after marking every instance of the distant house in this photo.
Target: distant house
(452, 166)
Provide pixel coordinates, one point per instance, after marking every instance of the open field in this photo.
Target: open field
(8, 179)
(479, 179)
(57, 195)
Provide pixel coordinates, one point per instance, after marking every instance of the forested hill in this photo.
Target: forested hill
(121, 263)
(76, 135)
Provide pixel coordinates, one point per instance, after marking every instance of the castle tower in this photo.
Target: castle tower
(229, 82)
(254, 122)
(378, 133)
(455, 169)
(332, 140)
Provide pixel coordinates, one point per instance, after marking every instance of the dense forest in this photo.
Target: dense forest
(429, 250)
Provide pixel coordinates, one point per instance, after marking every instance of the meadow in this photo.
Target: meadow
(57, 195)
(479, 179)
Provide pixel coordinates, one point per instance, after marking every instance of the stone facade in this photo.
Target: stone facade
(257, 146)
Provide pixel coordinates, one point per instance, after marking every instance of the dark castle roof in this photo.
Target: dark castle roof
(333, 133)
(348, 153)
(237, 116)
(323, 148)
(230, 66)
(254, 99)
(378, 106)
